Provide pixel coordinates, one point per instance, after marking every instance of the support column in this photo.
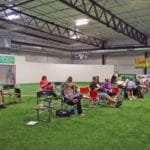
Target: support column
(103, 59)
(146, 56)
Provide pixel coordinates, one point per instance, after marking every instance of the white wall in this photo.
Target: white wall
(48, 59)
(27, 72)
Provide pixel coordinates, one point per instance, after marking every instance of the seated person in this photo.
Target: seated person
(45, 85)
(97, 77)
(69, 81)
(137, 90)
(95, 86)
(142, 85)
(108, 87)
(130, 87)
(120, 83)
(1, 100)
(72, 97)
(113, 78)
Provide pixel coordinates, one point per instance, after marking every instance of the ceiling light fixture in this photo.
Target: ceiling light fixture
(80, 22)
(73, 35)
(12, 17)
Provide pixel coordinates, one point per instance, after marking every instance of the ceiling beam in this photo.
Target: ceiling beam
(39, 45)
(97, 12)
(129, 48)
(14, 5)
(51, 28)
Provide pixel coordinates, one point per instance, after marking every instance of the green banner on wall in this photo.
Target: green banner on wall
(7, 59)
(127, 76)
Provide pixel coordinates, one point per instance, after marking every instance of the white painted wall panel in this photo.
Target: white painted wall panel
(48, 59)
(32, 72)
(27, 72)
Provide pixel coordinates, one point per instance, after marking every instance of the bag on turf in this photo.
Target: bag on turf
(71, 111)
(62, 113)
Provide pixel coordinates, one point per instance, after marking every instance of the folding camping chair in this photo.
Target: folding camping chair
(64, 105)
(121, 93)
(11, 92)
(57, 86)
(44, 96)
(89, 95)
(116, 90)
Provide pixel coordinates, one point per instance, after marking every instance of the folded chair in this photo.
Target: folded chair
(12, 93)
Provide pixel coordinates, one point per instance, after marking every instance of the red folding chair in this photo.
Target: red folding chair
(93, 95)
(89, 95)
(85, 91)
(116, 90)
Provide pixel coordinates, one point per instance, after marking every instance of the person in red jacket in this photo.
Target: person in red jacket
(44, 84)
(47, 86)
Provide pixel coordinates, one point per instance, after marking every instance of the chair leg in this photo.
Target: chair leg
(38, 115)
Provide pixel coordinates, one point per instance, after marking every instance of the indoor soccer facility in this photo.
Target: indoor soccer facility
(74, 74)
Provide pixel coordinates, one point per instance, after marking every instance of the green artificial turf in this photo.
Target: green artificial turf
(105, 128)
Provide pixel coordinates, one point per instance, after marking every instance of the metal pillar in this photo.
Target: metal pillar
(146, 56)
(103, 59)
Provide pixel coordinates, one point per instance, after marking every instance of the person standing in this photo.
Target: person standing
(1, 100)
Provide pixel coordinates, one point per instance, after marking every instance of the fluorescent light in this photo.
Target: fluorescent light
(75, 37)
(81, 22)
(142, 49)
(110, 50)
(12, 17)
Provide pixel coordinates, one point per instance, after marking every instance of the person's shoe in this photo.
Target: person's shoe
(82, 115)
(118, 104)
(134, 97)
(130, 98)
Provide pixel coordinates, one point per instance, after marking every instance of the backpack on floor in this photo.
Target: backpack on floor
(62, 113)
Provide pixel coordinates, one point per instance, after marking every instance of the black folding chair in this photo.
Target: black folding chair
(57, 86)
